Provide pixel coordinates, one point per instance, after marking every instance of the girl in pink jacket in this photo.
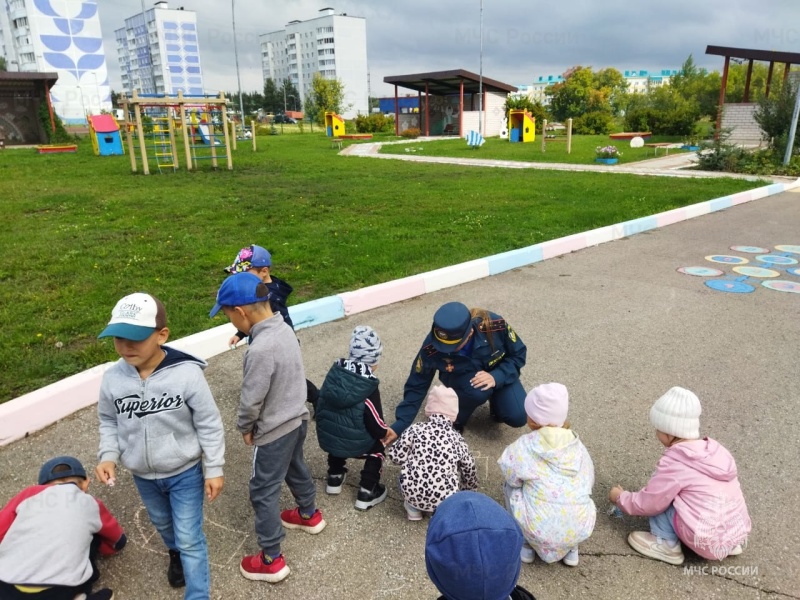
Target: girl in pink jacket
(694, 495)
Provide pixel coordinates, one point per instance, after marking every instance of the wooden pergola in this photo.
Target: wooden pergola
(751, 55)
(445, 83)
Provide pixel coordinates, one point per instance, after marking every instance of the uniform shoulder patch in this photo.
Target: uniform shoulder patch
(418, 364)
(495, 325)
(512, 335)
(428, 350)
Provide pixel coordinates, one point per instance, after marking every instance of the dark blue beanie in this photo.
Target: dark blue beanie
(472, 548)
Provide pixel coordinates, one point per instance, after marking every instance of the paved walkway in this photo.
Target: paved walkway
(674, 165)
(618, 325)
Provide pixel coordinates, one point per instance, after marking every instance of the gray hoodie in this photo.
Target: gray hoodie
(160, 426)
(273, 400)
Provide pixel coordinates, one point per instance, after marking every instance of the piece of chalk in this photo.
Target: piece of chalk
(614, 511)
(111, 481)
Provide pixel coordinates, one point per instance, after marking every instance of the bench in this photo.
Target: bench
(336, 143)
(656, 145)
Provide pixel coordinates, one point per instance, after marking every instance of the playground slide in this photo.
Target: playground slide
(204, 133)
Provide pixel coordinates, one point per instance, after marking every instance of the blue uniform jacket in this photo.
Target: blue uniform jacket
(503, 357)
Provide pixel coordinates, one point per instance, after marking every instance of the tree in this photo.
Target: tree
(3, 65)
(774, 116)
(326, 95)
(291, 97)
(273, 98)
(694, 83)
(522, 102)
(590, 99)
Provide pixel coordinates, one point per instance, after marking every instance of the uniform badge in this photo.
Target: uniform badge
(512, 336)
(418, 366)
(450, 368)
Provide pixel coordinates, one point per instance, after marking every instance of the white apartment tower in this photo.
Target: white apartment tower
(159, 52)
(61, 36)
(335, 46)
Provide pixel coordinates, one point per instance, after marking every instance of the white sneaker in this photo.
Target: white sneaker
(526, 555)
(413, 514)
(572, 558)
(647, 544)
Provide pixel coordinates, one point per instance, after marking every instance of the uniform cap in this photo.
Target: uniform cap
(451, 324)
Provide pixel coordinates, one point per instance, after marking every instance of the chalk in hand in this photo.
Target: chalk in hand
(111, 482)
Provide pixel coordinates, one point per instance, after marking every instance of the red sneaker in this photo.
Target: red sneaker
(254, 568)
(291, 519)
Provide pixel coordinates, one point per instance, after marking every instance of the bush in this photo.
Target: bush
(60, 135)
(593, 123)
(374, 123)
(774, 116)
(411, 133)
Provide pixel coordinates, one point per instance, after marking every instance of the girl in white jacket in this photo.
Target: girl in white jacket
(549, 477)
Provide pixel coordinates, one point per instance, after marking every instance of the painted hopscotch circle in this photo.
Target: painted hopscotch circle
(750, 249)
(780, 285)
(755, 272)
(793, 272)
(731, 286)
(772, 259)
(701, 271)
(785, 248)
(728, 260)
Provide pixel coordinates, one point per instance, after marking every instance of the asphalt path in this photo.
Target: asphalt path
(619, 326)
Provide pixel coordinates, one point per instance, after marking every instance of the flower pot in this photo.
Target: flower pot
(607, 161)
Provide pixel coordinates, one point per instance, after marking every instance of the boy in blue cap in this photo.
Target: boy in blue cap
(472, 550)
(51, 534)
(272, 417)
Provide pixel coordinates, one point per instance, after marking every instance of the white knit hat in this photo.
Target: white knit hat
(677, 413)
(365, 345)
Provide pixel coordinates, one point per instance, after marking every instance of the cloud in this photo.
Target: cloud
(520, 41)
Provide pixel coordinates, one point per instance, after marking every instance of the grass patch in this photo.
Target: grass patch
(81, 231)
(583, 149)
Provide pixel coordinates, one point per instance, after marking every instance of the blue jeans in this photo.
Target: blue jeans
(175, 506)
(661, 525)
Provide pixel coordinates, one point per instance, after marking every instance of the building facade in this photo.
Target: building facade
(159, 52)
(61, 36)
(333, 45)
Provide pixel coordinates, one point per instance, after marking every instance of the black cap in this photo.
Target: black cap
(74, 469)
(451, 325)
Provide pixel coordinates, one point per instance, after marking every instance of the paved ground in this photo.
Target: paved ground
(618, 325)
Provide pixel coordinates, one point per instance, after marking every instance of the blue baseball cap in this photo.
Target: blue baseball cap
(72, 468)
(251, 257)
(451, 324)
(239, 289)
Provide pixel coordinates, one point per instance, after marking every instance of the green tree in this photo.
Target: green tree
(273, 98)
(590, 99)
(325, 95)
(569, 98)
(3, 65)
(613, 85)
(291, 96)
(698, 84)
(522, 102)
(774, 116)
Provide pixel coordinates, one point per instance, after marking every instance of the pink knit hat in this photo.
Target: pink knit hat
(548, 404)
(442, 401)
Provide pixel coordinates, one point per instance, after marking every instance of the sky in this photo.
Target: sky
(521, 40)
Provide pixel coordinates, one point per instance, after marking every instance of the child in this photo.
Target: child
(694, 495)
(435, 458)
(274, 418)
(51, 533)
(472, 550)
(158, 417)
(258, 261)
(549, 477)
(350, 418)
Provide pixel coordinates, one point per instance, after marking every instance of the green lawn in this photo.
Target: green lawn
(583, 149)
(82, 231)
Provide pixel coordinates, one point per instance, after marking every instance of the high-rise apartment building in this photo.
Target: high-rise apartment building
(62, 36)
(159, 52)
(333, 45)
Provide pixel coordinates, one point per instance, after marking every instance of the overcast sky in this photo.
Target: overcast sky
(521, 40)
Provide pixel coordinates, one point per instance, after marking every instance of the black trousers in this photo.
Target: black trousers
(373, 466)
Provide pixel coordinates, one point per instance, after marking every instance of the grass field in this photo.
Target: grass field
(583, 149)
(82, 231)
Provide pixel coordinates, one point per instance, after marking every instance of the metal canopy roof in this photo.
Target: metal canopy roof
(441, 83)
(751, 54)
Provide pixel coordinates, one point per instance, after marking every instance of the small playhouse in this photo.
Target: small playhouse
(521, 126)
(334, 125)
(106, 139)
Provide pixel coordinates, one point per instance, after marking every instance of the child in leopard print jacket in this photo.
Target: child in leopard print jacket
(435, 458)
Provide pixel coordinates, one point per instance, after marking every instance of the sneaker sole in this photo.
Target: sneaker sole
(268, 577)
(335, 490)
(361, 505)
(570, 563)
(312, 530)
(736, 551)
(526, 560)
(645, 550)
(411, 517)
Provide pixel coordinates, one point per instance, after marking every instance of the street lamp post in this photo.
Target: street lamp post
(480, 79)
(236, 55)
(97, 93)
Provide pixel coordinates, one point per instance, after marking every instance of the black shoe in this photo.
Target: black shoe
(369, 498)
(175, 570)
(104, 594)
(335, 483)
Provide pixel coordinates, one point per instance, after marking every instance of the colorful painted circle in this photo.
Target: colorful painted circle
(793, 272)
(785, 248)
(773, 259)
(728, 260)
(780, 285)
(755, 272)
(731, 286)
(701, 271)
(750, 249)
